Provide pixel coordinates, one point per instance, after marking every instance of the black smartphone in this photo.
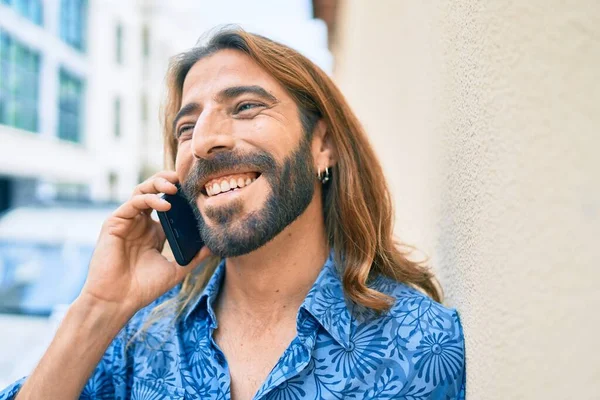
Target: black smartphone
(181, 227)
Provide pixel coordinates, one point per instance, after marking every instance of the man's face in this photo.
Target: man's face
(243, 158)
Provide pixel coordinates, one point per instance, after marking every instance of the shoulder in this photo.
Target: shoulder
(415, 321)
(135, 343)
(147, 326)
(423, 336)
(412, 301)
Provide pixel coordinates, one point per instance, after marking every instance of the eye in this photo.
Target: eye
(247, 106)
(183, 129)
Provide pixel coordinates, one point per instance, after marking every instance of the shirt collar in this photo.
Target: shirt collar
(328, 305)
(325, 301)
(208, 296)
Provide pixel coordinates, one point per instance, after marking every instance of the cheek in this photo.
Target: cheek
(269, 135)
(183, 163)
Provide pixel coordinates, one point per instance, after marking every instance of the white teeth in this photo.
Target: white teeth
(224, 186)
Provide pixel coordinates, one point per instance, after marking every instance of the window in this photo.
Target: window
(73, 16)
(19, 84)
(30, 9)
(117, 107)
(146, 41)
(6, 192)
(119, 44)
(70, 107)
(144, 107)
(113, 185)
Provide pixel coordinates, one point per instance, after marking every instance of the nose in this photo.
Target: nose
(212, 133)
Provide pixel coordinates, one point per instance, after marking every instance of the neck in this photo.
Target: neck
(270, 283)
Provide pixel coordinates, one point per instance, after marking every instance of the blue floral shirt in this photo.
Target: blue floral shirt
(341, 351)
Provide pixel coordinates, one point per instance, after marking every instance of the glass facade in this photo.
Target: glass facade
(117, 111)
(19, 84)
(146, 41)
(119, 44)
(70, 107)
(73, 21)
(144, 107)
(30, 9)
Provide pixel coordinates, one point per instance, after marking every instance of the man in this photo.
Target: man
(300, 292)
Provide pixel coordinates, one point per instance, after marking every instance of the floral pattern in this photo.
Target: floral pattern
(414, 351)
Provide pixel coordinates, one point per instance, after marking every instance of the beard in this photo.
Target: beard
(291, 191)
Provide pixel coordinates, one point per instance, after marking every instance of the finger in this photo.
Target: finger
(156, 185)
(163, 182)
(140, 203)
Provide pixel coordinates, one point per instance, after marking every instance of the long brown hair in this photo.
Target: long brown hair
(357, 203)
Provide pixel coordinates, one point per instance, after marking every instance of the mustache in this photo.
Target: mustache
(222, 161)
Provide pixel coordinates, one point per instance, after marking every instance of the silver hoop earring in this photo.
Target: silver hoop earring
(324, 178)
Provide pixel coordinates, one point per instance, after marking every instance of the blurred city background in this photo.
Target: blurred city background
(81, 84)
(485, 116)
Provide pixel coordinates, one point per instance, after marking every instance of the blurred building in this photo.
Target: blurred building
(81, 83)
(70, 88)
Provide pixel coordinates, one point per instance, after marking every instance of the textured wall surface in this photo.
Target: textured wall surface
(487, 118)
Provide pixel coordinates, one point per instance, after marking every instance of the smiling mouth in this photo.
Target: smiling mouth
(229, 183)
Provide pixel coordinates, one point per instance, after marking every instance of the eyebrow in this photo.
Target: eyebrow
(235, 91)
(224, 95)
(189, 108)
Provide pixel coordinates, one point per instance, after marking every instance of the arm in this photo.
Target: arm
(80, 342)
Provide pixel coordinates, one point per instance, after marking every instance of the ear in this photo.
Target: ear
(323, 148)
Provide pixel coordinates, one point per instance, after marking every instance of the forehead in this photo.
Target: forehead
(226, 68)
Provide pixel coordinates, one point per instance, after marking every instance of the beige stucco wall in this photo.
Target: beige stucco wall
(486, 115)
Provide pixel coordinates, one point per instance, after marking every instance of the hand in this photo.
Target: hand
(127, 268)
